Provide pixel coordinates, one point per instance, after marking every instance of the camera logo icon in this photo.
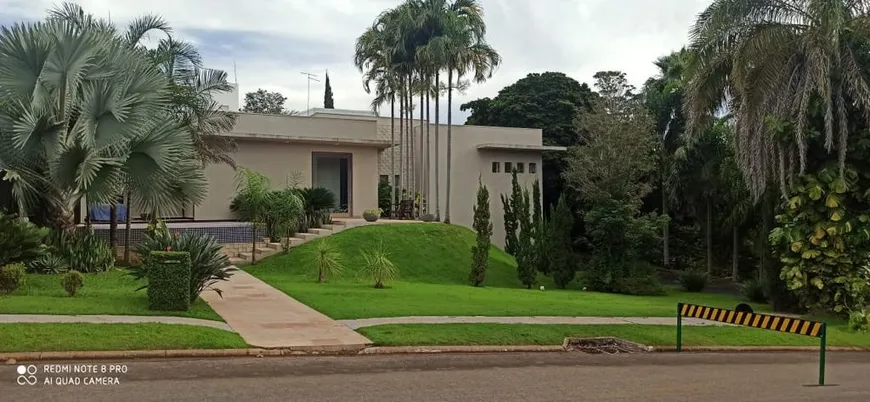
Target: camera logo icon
(26, 375)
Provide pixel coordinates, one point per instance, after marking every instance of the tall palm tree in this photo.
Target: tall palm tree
(86, 117)
(774, 58)
(663, 95)
(467, 54)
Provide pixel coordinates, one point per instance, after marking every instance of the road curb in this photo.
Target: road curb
(12, 358)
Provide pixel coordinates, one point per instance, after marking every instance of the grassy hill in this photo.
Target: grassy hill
(424, 253)
(434, 261)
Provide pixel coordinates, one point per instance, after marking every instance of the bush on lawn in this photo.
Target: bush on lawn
(168, 280)
(208, 263)
(693, 280)
(82, 251)
(318, 203)
(11, 277)
(558, 243)
(327, 259)
(378, 266)
(755, 290)
(72, 282)
(20, 240)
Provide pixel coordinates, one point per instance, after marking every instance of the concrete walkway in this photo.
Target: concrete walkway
(267, 318)
(369, 322)
(109, 319)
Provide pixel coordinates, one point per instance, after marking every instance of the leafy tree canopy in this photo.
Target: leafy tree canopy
(263, 101)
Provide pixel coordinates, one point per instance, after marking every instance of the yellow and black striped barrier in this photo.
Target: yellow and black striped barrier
(745, 317)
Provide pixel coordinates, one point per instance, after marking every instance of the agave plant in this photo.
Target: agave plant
(86, 116)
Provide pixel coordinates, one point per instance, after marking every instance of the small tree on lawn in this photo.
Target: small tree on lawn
(252, 200)
(483, 227)
(526, 271)
(510, 226)
(559, 255)
(541, 261)
(511, 221)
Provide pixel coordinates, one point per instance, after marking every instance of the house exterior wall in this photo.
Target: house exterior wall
(470, 163)
(279, 161)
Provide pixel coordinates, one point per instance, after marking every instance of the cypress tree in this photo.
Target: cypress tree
(526, 270)
(327, 95)
(483, 227)
(510, 227)
(559, 251)
(538, 228)
(511, 223)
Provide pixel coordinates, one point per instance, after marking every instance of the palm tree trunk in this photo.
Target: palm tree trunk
(735, 253)
(709, 236)
(422, 155)
(127, 232)
(449, 139)
(113, 227)
(437, 146)
(392, 155)
(666, 232)
(412, 141)
(401, 143)
(428, 147)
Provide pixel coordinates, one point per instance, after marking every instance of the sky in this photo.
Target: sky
(271, 42)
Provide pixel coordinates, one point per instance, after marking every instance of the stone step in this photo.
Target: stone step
(238, 260)
(295, 241)
(334, 227)
(273, 245)
(320, 231)
(307, 236)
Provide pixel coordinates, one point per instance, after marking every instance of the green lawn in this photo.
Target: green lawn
(112, 292)
(89, 337)
(653, 335)
(434, 261)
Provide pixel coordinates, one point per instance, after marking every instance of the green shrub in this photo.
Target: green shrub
(318, 203)
(378, 266)
(20, 240)
(168, 280)
(208, 263)
(72, 282)
(693, 280)
(755, 290)
(283, 213)
(483, 236)
(50, 263)
(82, 250)
(11, 277)
(385, 195)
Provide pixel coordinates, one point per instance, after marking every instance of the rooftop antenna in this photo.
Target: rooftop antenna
(311, 77)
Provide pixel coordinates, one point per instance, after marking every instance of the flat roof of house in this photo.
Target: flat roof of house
(520, 147)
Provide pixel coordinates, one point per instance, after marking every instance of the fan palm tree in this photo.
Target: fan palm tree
(86, 117)
(774, 58)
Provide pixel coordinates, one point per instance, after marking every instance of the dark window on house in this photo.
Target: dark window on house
(496, 166)
(508, 167)
(533, 168)
(385, 178)
(521, 167)
(395, 180)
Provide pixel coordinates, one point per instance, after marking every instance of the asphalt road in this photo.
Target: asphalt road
(468, 377)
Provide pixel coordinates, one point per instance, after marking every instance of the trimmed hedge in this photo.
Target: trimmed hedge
(168, 280)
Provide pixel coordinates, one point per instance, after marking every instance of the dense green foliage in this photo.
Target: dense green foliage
(385, 197)
(318, 203)
(208, 263)
(482, 227)
(513, 205)
(328, 102)
(81, 251)
(263, 101)
(20, 240)
(72, 281)
(11, 277)
(168, 274)
(822, 240)
(558, 250)
(527, 270)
